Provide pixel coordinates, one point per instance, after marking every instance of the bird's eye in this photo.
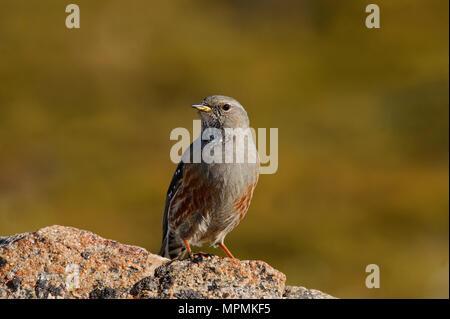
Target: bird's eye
(226, 107)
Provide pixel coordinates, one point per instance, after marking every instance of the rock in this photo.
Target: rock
(65, 262)
(292, 292)
(212, 277)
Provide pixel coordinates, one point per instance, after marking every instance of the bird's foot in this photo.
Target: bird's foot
(198, 257)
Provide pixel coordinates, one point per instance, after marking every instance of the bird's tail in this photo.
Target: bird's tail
(172, 247)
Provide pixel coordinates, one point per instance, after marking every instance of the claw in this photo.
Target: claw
(206, 255)
(198, 257)
(195, 258)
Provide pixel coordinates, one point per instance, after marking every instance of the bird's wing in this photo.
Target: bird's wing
(174, 184)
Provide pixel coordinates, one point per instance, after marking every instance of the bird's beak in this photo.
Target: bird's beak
(202, 108)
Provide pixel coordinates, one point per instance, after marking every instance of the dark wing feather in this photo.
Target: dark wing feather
(174, 184)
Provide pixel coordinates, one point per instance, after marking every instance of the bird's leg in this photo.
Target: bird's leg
(225, 249)
(186, 243)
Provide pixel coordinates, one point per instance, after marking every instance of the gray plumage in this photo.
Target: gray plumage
(205, 200)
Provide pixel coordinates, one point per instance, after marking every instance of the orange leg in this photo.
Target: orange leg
(225, 249)
(190, 254)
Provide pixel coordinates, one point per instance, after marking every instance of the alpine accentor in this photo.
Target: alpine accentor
(207, 199)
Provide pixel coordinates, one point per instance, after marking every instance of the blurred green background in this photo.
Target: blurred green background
(85, 118)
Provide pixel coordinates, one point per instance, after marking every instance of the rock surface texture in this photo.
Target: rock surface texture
(65, 262)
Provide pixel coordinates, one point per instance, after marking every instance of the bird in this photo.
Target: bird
(208, 199)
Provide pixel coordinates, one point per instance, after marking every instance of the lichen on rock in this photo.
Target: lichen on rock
(65, 262)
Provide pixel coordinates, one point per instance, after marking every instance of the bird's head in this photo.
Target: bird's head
(222, 112)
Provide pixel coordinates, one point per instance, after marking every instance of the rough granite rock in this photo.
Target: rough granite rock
(65, 262)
